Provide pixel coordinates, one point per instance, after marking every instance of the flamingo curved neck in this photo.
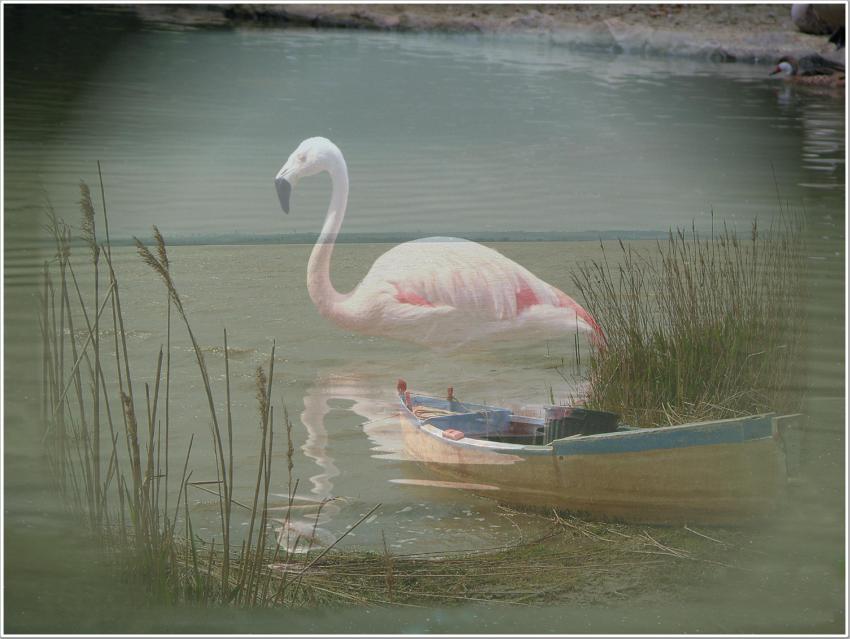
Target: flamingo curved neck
(322, 292)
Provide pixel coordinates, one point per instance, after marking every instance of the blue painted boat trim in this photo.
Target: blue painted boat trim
(729, 431)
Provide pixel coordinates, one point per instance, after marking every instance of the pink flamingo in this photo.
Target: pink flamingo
(439, 292)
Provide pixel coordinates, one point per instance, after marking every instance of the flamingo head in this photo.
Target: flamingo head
(786, 65)
(312, 156)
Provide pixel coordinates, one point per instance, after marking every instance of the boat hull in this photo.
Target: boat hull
(724, 473)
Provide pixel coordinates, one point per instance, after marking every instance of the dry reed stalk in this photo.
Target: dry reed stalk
(184, 478)
(135, 464)
(199, 486)
(267, 467)
(191, 550)
(47, 372)
(62, 254)
(92, 374)
(218, 447)
(111, 471)
(290, 450)
(167, 391)
(90, 235)
(263, 392)
(149, 493)
(163, 258)
(119, 347)
(117, 314)
(108, 244)
(228, 497)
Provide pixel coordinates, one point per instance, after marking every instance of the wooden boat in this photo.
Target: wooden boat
(724, 472)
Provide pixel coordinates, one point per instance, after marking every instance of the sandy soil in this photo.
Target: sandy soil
(751, 33)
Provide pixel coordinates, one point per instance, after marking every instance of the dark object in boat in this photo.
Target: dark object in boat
(567, 421)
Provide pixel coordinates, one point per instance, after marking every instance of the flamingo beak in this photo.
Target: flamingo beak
(775, 71)
(284, 190)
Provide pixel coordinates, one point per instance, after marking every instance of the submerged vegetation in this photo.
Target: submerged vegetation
(700, 328)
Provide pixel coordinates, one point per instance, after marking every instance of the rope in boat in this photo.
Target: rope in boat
(426, 412)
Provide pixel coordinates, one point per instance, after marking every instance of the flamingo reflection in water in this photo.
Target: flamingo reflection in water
(301, 521)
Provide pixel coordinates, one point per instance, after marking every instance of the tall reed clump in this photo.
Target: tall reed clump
(108, 447)
(699, 328)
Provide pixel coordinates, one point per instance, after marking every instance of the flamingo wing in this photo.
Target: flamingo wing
(468, 277)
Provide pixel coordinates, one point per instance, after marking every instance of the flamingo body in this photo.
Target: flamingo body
(439, 292)
(446, 292)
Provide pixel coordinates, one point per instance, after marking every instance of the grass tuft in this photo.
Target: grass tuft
(699, 328)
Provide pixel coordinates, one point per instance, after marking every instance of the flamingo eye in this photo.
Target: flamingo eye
(302, 158)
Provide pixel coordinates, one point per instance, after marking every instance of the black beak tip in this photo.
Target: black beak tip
(284, 190)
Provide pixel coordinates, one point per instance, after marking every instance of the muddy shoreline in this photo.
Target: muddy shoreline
(724, 33)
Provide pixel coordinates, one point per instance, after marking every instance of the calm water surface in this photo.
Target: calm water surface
(450, 135)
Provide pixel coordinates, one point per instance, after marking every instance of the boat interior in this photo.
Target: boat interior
(490, 425)
(460, 420)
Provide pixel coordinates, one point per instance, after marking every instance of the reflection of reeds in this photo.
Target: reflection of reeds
(700, 328)
(124, 495)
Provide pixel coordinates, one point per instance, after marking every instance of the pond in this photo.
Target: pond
(498, 139)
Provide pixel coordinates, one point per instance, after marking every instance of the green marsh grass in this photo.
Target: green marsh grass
(698, 328)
